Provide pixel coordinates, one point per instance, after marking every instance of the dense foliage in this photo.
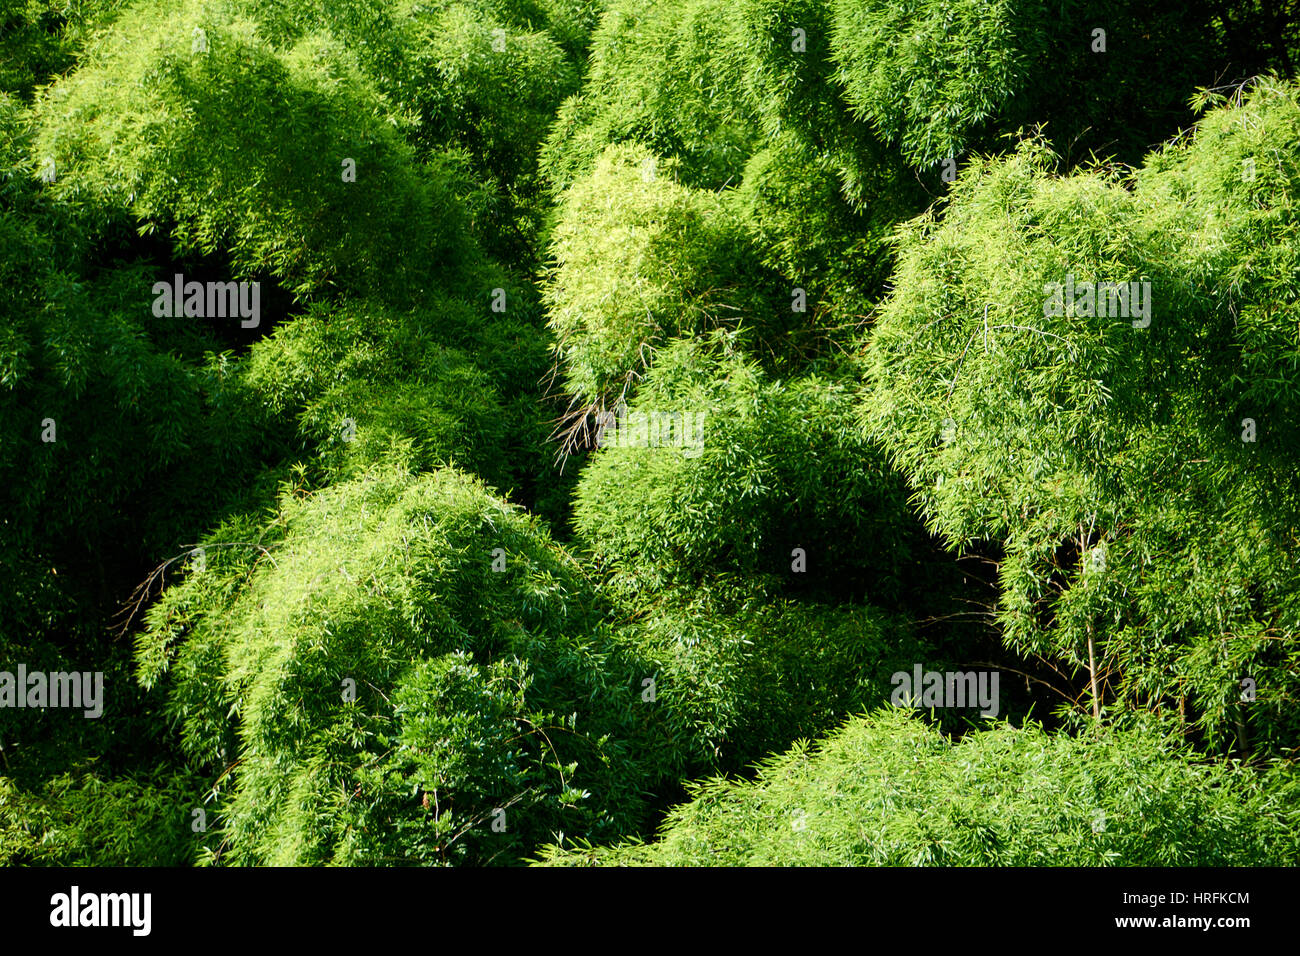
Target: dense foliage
(1136, 467)
(615, 397)
(889, 791)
